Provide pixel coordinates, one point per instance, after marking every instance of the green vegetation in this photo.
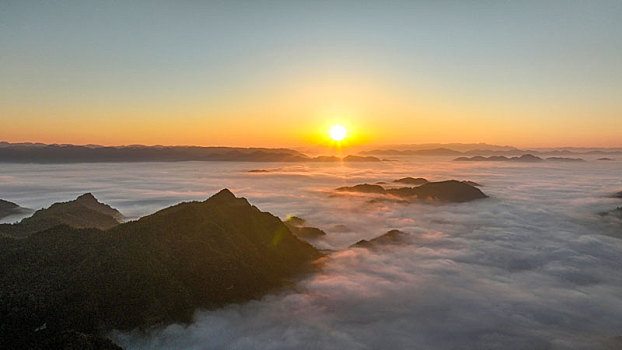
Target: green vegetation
(156, 270)
(83, 212)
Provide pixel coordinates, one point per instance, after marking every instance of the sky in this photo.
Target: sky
(281, 73)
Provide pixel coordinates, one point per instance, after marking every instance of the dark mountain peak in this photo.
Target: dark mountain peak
(411, 180)
(393, 237)
(7, 205)
(449, 191)
(522, 158)
(527, 158)
(226, 197)
(352, 158)
(364, 188)
(294, 221)
(9, 208)
(83, 212)
(297, 226)
(223, 194)
(444, 191)
(87, 197)
(155, 270)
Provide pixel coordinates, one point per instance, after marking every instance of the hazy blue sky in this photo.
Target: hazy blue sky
(266, 72)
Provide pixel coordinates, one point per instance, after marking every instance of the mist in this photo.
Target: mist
(532, 267)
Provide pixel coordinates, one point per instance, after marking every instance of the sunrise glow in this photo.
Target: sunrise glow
(286, 174)
(338, 133)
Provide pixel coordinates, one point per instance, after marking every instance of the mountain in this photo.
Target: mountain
(40, 153)
(37, 153)
(155, 270)
(298, 227)
(9, 208)
(411, 181)
(414, 152)
(361, 159)
(363, 188)
(522, 158)
(439, 149)
(85, 211)
(391, 237)
(565, 159)
(447, 191)
(443, 191)
(481, 149)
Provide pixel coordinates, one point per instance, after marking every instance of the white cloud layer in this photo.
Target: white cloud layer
(532, 267)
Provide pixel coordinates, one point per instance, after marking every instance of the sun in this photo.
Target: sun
(338, 133)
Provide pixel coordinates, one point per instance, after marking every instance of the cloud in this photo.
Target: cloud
(532, 267)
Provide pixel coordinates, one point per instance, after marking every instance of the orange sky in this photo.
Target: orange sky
(302, 112)
(527, 75)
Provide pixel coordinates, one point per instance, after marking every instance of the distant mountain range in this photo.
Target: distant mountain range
(54, 153)
(523, 158)
(42, 153)
(484, 150)
(63, 287)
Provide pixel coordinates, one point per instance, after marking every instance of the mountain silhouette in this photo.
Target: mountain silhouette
(525, 158)
(42, 153)
(388, 238)
(443, 191)
(9, 208)
(82, 212)
(363, 188)
(411, 180)
(155, 270)
(298, 227)
(565, 159)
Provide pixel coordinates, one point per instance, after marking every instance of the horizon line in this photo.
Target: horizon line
(375, 146)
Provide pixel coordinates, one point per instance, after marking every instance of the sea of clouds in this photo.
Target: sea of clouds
(532, 267)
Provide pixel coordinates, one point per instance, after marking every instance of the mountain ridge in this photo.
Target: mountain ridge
(155, 270)
(83, 212)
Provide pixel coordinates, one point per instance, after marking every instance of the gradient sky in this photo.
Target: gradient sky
(279, 73)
